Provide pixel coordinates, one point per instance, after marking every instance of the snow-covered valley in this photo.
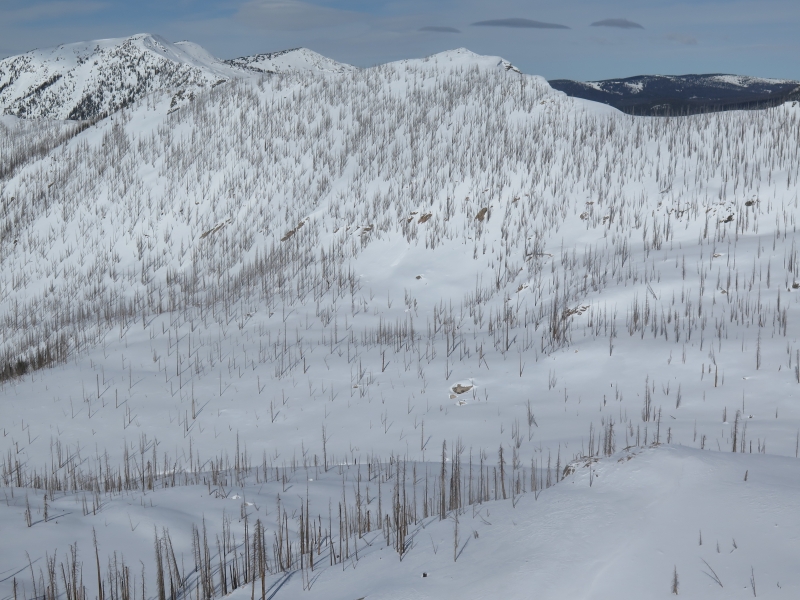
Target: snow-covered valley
(547, 330)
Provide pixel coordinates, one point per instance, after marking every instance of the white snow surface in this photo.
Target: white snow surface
(594, 85)
(276, 275)
(635, 87)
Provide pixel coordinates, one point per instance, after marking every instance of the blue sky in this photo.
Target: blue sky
(632, 38)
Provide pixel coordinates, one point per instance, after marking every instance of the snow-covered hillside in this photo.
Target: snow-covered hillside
(623, 527)
(22, 141)
(428, 287)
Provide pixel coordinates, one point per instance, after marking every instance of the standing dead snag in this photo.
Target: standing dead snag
(100, 594)
(160, 567)
(455, 536)
(502, 472)
(442, 478)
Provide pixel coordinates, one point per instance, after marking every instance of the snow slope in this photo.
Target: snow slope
(618, 527)
(325, 276)
(24, 140)
(646, 515)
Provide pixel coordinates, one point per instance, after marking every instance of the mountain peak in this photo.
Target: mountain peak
(294, 59)
(84, 80)
(463, 57)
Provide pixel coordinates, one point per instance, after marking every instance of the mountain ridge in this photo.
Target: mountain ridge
(91, 79)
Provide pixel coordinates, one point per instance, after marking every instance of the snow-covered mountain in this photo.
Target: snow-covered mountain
(88, 79)
(683, 94)
(285, 61)
(431, 323)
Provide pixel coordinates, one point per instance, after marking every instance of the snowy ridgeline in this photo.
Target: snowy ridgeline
(90, 80)
(304, 270)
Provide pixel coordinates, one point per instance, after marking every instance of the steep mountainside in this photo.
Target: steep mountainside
(683, 94)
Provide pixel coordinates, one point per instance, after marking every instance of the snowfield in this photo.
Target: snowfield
(317, 332)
